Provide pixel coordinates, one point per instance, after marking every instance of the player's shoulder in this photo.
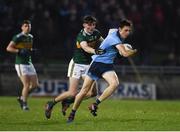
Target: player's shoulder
(18, 35)
(81, 33)
(112, 30)
(113, 33)
(96, 31)
(113, 36)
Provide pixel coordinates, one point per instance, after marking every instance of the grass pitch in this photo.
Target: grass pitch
(113, 114)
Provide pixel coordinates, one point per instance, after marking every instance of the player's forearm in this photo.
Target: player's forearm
(12, 49)
(129, 53)
(89, 50)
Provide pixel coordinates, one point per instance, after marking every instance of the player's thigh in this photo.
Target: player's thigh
(25, 79)
(94, 86)
(111, 78)
(87, 84)
(73, 84)
(34, 80)
(93, 90)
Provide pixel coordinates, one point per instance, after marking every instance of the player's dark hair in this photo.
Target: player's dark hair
(89, 19)
(26, 22)
(125, 23)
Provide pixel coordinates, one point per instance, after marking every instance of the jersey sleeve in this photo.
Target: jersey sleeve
(116, 41)
(81, 38)
(113, 41)
(15, 39)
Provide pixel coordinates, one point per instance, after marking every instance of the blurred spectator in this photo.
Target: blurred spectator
(170, 60)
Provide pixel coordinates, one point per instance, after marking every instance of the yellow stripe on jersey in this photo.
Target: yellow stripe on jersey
(78, 45)
(24, 45)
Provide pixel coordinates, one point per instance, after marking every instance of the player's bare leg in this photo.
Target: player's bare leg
(73, 84)
(113, 82)
(25, 79)
(34, 83)
(69, 100)
(79, 97)
(68, 97)
(93, 91)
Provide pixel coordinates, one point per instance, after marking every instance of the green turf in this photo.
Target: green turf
(113, 115)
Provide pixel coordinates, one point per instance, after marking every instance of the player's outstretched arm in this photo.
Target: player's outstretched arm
(91, 50)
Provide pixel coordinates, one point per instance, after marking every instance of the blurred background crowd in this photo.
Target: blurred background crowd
(55, 24)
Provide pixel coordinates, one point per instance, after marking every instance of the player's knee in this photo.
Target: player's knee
(35, 85)
(83, 92)
(26, 85)
(114, 84)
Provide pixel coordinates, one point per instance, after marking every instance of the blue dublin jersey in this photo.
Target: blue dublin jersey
(109, 43)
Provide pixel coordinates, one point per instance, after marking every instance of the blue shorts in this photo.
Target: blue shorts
(97, 69)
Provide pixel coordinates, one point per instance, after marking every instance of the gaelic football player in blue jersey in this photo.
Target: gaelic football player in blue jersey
(102, 67)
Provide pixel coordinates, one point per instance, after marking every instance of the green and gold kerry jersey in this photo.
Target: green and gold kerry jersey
(23, 41)
(80, 56)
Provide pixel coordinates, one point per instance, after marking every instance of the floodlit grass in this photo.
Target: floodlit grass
(113, 114)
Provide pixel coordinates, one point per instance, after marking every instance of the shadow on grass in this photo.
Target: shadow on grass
(34, 123)
(115, 120)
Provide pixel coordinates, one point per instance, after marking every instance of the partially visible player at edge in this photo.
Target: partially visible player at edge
(87, 43)
(102, 67)
(21, 45)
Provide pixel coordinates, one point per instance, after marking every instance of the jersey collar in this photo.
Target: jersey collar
(119, 36)
(26, 34)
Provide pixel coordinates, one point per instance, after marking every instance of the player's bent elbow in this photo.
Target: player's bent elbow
(116, 84)
(7, 49)
(128, 54)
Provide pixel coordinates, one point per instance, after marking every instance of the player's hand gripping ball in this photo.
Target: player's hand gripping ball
(128, 47)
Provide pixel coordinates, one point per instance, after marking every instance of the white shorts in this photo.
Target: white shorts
(23, 69)
(77, 70)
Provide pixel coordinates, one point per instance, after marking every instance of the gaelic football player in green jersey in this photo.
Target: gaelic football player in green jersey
(21, 45)
(87, 43)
